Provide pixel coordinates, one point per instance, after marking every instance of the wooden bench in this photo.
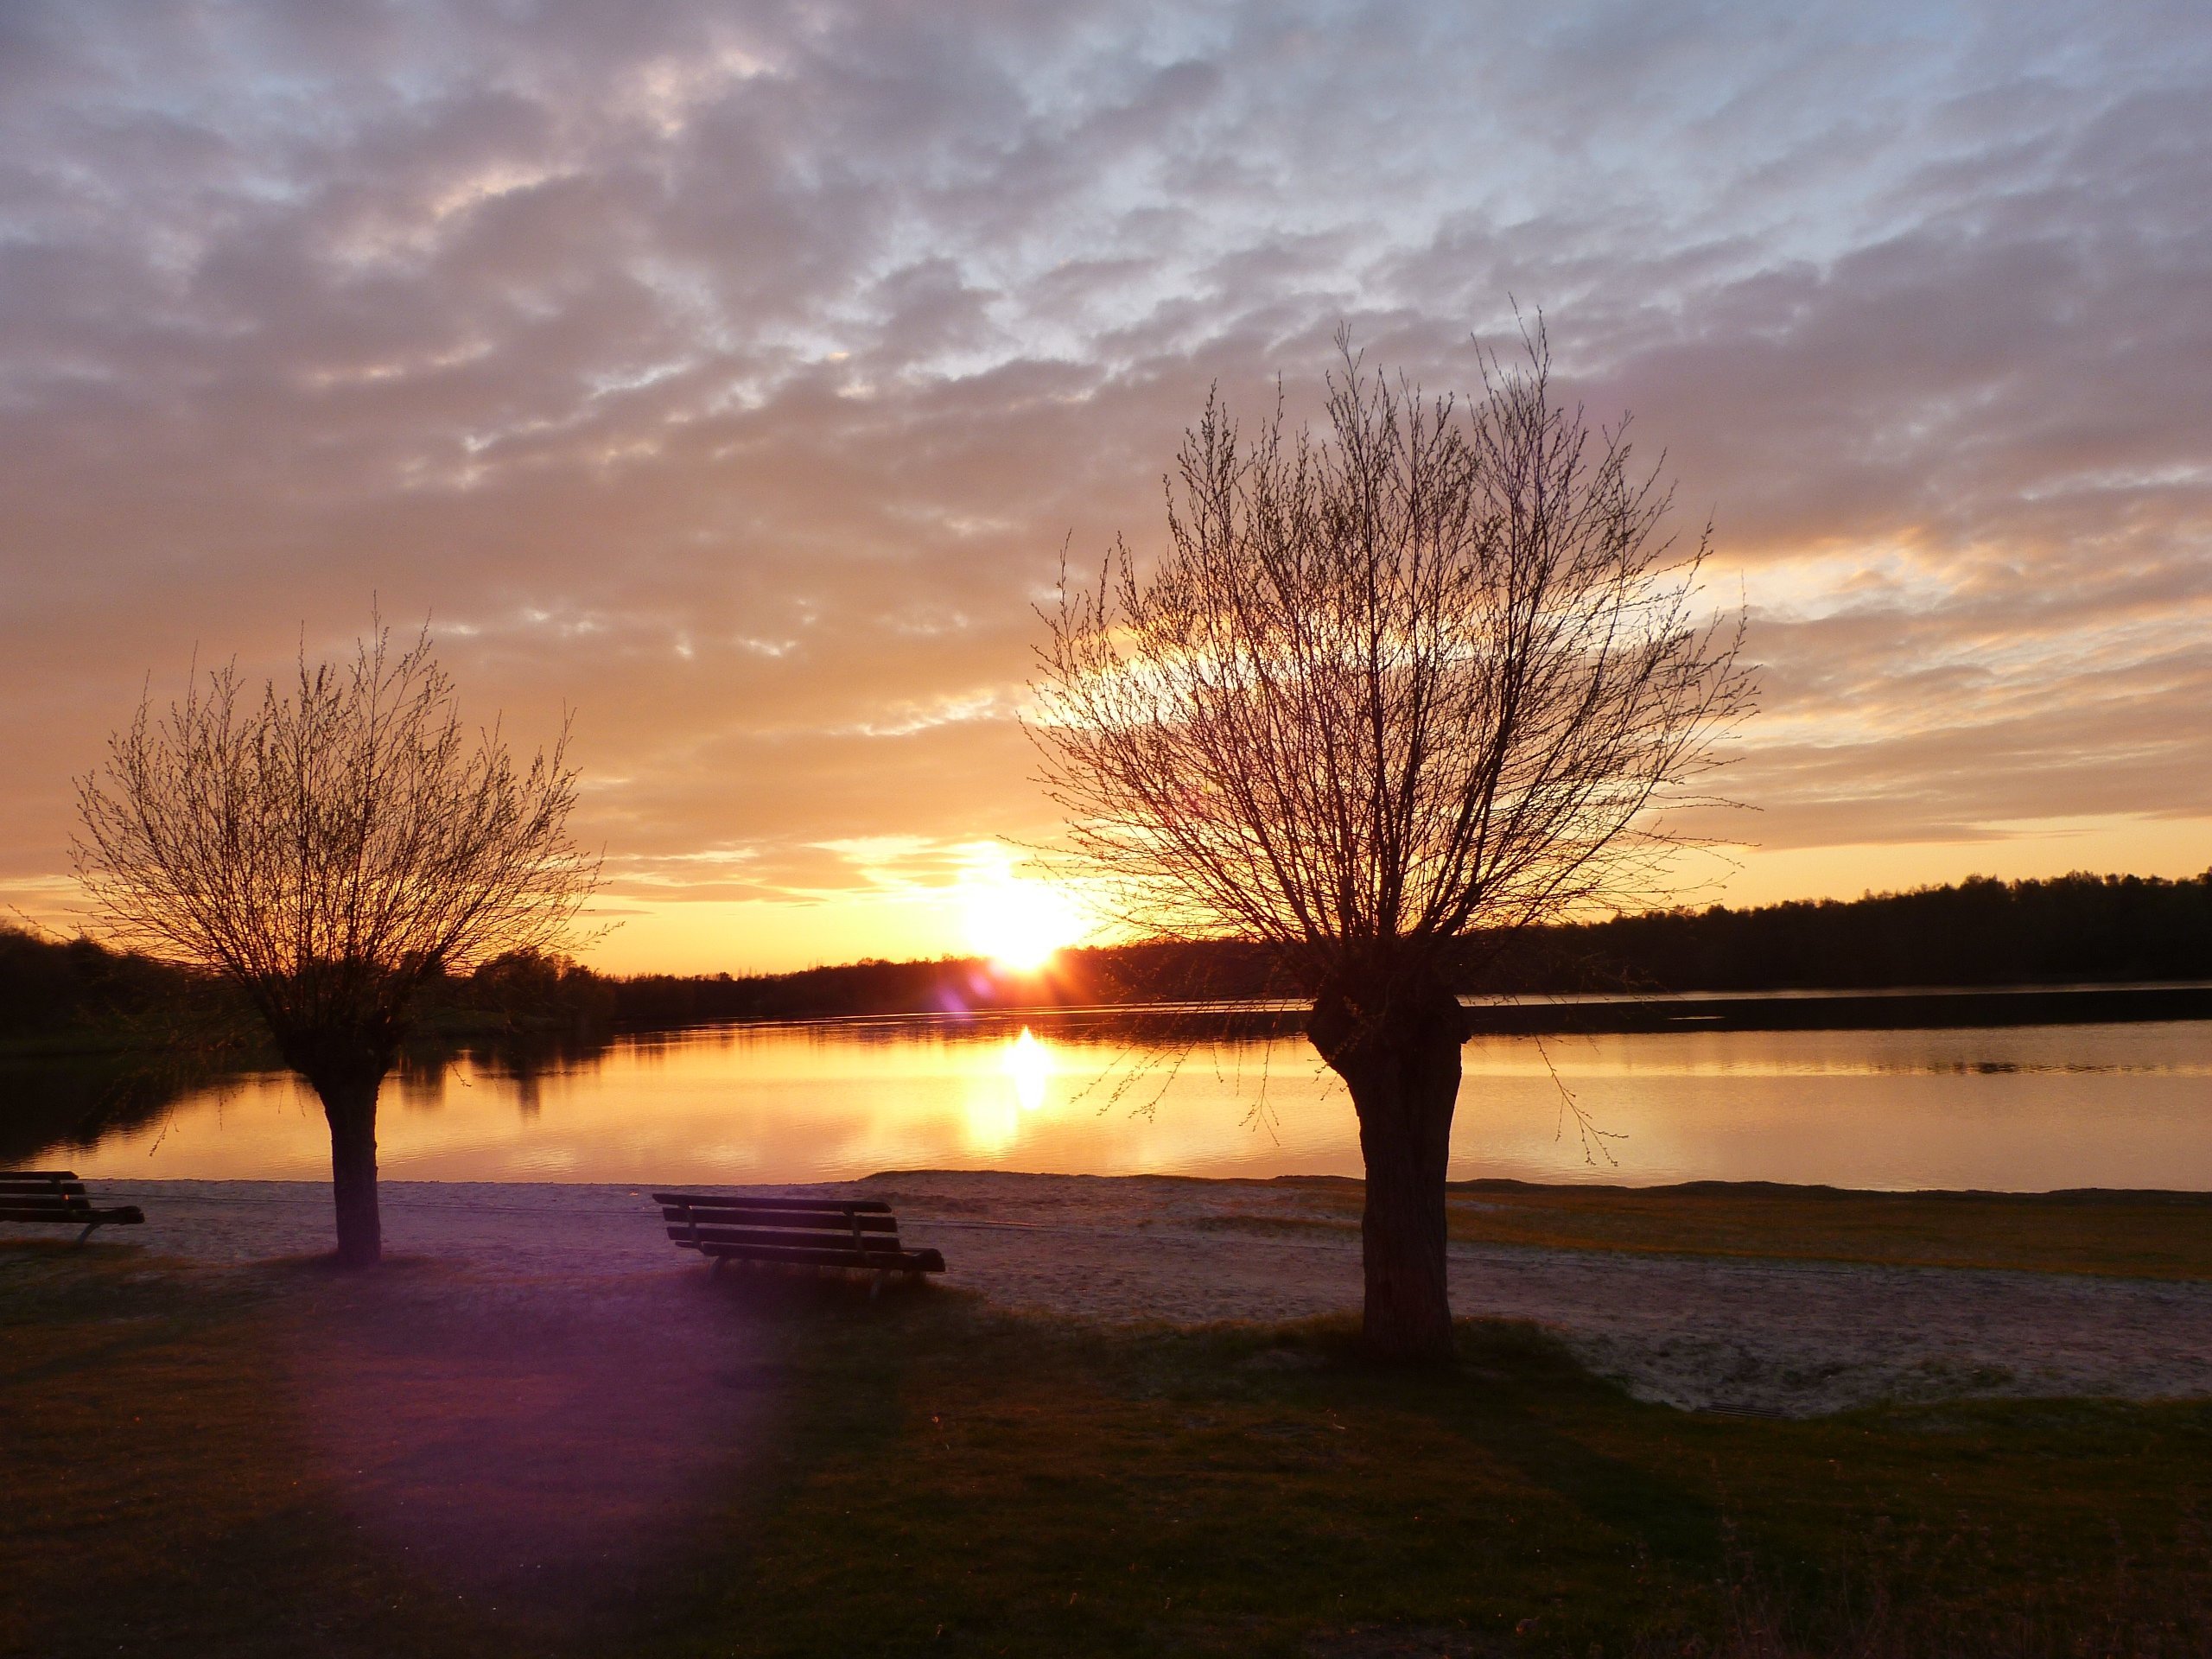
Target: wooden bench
(797, 1232)
(57, 1196)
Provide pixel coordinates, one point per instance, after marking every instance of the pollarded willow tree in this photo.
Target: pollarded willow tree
(327, 847)
(1431, 676)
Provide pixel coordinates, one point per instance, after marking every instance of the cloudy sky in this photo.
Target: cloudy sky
(735, 376)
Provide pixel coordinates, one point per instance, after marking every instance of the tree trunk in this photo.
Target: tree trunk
(350, 1106)
(1399, 1054)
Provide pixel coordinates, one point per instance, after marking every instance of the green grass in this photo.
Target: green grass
(920, 1475)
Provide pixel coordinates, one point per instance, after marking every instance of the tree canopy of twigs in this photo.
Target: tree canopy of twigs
(328, 845)
(1436, 673)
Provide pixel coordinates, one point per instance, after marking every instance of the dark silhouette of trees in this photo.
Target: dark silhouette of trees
(327, 849)
(53, 987)
(1427, 676)
(2085, 928)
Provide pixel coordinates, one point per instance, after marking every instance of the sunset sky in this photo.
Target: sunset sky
(734, 376)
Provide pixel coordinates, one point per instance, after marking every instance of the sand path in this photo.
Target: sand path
(1698, 1332)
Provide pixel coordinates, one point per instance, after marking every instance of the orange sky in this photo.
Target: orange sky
(735, 377)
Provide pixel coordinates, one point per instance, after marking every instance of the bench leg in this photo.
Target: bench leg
(876, 1289)
(87, 1233)
(718, 1265)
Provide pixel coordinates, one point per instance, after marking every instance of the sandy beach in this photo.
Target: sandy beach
(1698, 1332)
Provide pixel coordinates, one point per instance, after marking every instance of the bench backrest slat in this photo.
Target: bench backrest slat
(708, 1201)
(866, 1244)
(824, 1221)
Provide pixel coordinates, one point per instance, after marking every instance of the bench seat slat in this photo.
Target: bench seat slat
(796, 1255)
(41, 1189)
(877, 1245)
(795, 1213)
(868, 1244)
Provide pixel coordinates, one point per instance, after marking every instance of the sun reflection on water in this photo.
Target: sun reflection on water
(1029, 1062)
(1000, 1097)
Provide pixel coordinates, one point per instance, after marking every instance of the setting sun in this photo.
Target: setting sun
(1018, 924)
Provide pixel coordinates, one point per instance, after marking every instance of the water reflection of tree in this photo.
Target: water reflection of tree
(71, 1104)
(526, 1057)
(56, 1106)
(52, 1106)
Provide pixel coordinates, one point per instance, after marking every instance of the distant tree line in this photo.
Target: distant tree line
(52, 988)
(2074, 929)
(77, 994)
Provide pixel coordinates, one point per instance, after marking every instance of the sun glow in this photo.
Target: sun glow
(1018, 924)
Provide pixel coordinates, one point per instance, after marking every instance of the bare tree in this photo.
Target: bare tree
(326, 847)
(1422, 681)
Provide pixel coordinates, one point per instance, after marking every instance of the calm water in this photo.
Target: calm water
(2024, 1108)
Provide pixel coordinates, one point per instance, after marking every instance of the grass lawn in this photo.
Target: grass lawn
(920, 1475)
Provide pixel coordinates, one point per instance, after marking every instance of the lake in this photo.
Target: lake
(2020, 1109)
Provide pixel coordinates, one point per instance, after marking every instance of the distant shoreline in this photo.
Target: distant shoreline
(1536, 1013)
(1928, 1008)
(1921, 1007)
